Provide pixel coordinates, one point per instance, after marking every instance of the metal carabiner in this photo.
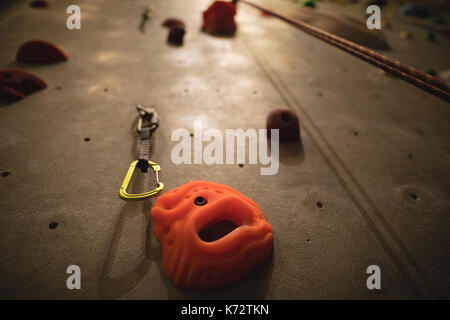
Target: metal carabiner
(149, 194)
(148, 118)
(148, 122)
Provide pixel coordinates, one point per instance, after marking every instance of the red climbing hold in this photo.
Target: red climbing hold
(177, 31)
(16, 84)
(218, 19)
(39, 4)
(286, 121)
(40, 51)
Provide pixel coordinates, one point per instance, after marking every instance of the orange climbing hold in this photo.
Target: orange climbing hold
(181, 216)
(218, 19)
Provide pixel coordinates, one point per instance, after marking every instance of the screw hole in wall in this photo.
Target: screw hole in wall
(87, 139)
(5, 174)
(319, 204)
(414, 196)
(53, 225)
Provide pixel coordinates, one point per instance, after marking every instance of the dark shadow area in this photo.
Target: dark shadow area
(253, 286)
(223, 36)
(292, 153)
(6, 4)
(112, 288)
(5, 102)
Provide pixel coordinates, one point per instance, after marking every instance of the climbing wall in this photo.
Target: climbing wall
(369, 184)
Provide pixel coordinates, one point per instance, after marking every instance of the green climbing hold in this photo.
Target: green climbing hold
(431, 72)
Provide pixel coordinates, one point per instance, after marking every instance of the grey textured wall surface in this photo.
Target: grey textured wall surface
(368, 142)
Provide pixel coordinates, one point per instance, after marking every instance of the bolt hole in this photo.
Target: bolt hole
(355, 133)
(241, 165)
(87, 139)
(106, 90)
(414, 196)
(200, 201)
(319, 204)
(308, 240)
(191, 134)
(410, 155)
(285, 116)
(5, 174)
(53, 225)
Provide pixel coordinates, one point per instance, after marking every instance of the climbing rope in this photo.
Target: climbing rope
(427, 82)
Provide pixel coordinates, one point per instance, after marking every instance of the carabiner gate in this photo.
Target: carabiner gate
(149, 194)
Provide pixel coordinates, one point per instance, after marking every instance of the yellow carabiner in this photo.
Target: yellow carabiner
(150, 194)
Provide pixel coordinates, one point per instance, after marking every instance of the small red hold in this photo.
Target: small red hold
(39, 4)
(177, 31)
(218, 19)
(286, 121)
(16, 83)
(40, 52)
